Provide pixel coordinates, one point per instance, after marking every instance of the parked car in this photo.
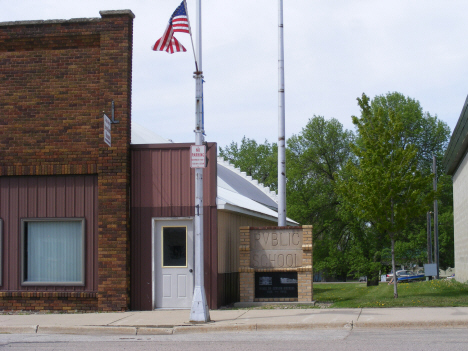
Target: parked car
(363, 279)
(399, 273)
(403, 273)
(409, 276)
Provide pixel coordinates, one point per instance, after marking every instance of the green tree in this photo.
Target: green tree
(313, 158)
(430, 136)
(427, 133)
(345, 242)
(260, 161)
(412, 246)
(384, 186)
(446, 229)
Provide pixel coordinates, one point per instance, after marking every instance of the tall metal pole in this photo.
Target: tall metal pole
(429, 238)
(429, 241)
(436, 223)
(281, 125)
(199, 311)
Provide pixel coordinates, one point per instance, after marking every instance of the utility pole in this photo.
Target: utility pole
(436, 223)
(199, 311)
(281, 125)
(429, 238)
(429, 241)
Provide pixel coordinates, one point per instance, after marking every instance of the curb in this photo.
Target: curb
(195, 329)
(18, 329)
(154, 331)
(413, 324)
(212, 328)
(87, 330)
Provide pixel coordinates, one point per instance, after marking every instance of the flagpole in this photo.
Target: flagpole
(199, 311)
(281, 125)
(191, 38)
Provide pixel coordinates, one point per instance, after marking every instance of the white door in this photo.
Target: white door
(173, 263)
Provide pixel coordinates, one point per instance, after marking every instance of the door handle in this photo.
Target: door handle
(190, 270)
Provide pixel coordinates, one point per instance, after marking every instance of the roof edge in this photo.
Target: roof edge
(54, 21)
(106, 13)
(266, 190)
(166, 145)
(458, 145)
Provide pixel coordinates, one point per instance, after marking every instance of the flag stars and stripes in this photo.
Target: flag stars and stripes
(179, 20)
(177, 23)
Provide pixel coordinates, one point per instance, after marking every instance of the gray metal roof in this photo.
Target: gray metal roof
(241, 184)
(458, 145)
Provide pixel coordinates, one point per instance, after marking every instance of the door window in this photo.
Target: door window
(174, 246)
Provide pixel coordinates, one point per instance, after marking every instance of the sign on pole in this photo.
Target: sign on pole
(198, 156)
(430, 269)
(107, 130)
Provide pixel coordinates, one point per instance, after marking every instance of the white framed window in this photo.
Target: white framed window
(53, 251)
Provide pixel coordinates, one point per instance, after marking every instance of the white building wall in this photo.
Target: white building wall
(460, 209)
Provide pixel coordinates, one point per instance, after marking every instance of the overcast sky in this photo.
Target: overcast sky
(334, 51)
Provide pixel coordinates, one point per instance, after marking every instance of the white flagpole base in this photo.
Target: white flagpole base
(199, 312)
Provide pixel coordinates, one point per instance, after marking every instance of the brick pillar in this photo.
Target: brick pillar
(247, 286)
(305, 273)
(114, 163)
(247, 274)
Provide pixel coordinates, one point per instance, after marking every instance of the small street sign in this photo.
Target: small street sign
(198, 156)
(107, 130)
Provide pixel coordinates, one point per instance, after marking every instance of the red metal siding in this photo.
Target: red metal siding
(47, 197)
(162, 185)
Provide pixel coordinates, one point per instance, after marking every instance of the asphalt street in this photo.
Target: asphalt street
(394, 339)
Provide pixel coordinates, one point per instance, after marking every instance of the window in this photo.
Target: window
(174, 246)
(53, 251)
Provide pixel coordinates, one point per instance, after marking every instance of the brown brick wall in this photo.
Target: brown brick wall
(57, 77)
(44, 301)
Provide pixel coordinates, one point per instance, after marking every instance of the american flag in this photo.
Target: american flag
(177, 23)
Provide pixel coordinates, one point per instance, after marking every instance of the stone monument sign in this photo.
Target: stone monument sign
(276, 248)
(276, 263)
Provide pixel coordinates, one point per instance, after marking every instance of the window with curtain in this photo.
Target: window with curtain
(53, 252)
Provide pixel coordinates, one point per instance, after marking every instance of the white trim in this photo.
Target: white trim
(241, 210)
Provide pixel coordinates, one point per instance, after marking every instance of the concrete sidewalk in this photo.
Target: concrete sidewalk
(177, 321)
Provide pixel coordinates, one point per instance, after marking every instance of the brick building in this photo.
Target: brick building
(57, 175)
(89, 226)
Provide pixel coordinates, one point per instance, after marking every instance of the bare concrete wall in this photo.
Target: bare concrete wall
(460, 209)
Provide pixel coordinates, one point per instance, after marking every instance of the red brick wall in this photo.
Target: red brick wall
(57, 77)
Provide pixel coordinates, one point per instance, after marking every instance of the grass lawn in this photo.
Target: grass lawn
(434, 293)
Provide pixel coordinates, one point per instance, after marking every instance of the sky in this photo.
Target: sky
(334, 51)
